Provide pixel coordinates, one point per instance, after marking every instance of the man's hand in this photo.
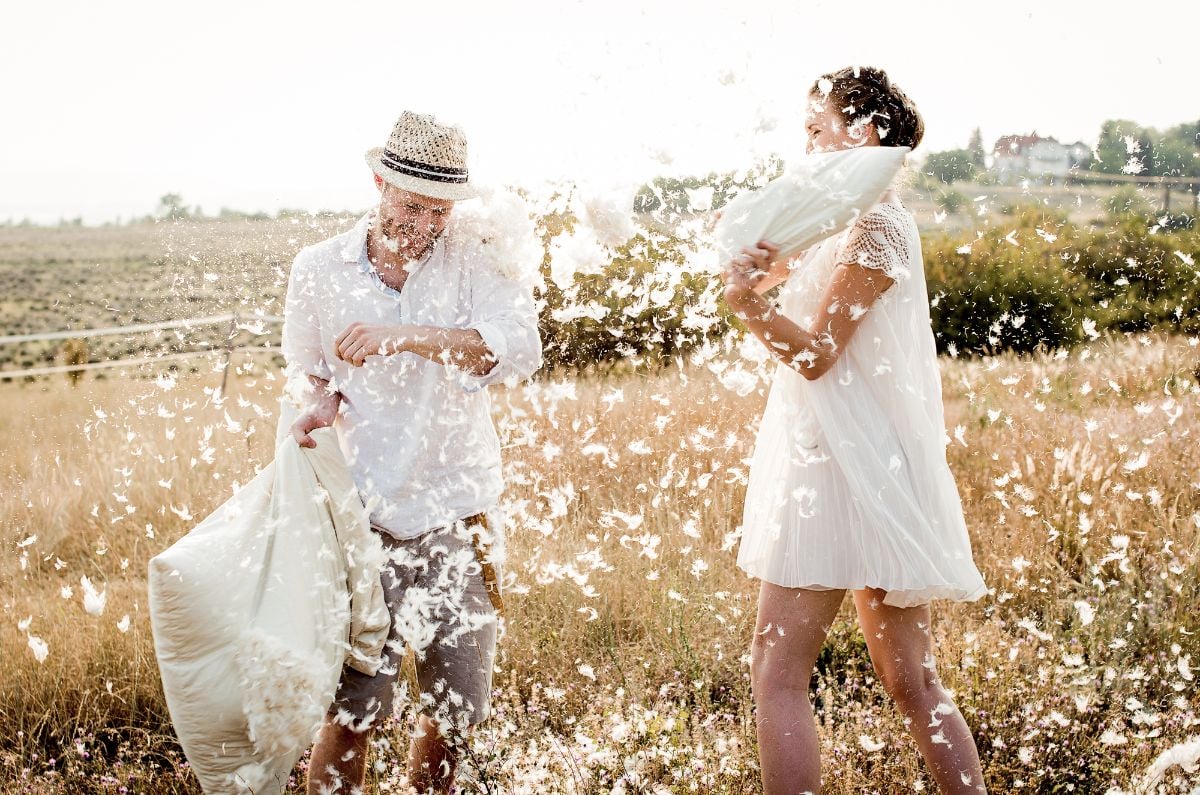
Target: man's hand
(361, 340)
(321, 412)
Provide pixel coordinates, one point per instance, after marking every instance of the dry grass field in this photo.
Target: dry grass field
(68, 278)
(623, 667)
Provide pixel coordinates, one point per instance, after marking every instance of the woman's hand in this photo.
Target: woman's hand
(739, 287)
(361, 340)
(745, 271)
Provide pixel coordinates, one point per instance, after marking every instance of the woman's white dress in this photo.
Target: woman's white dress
(849, 485)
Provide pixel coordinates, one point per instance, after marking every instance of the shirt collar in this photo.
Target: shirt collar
(356, 239)
(355, 250)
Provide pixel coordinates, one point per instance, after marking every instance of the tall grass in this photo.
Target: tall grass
(623, 667)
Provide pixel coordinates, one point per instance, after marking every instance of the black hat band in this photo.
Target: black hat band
(415, 168)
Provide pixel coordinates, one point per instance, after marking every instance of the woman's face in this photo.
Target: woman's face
(828, 132)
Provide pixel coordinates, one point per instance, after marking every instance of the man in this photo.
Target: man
(392, 330)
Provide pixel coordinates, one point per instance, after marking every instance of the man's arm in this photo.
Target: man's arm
(307, 371)
(462, 347)
(319, 410)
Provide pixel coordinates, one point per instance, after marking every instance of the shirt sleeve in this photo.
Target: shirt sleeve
(301, 342)
(878, 240)
(505, 315)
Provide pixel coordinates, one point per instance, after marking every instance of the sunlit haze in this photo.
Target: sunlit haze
(258, 106)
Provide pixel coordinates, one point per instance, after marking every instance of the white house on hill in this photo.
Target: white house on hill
(1031, 156)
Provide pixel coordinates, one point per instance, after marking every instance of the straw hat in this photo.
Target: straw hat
(424, 156)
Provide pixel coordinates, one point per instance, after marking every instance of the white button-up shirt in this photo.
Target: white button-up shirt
(417, 435)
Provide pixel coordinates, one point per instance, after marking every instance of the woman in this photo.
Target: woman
(849, 487)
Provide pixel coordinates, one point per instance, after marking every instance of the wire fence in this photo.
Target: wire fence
(1190, 186)
(255, 324)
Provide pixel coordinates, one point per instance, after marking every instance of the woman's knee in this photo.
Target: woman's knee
(912, 685)
(776, 666)
(792, 624)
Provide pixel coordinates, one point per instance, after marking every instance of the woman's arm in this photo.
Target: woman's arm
(777, 273)
(763, 268)
(811, 352)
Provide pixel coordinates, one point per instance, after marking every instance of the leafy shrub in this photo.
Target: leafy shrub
(1140, 280)
(1032, 215)
(950, 200)
(637, 308)
(1036, 281)
(1126, 199)
(1173, 222)
(1039, 280)
(990, 295)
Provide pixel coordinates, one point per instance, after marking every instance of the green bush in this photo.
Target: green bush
(992, 296)
(1139, 279)
(1127, 199)
(644, 295)
(644, 309)
(1032, 215)
(950, 200)
(1037, 280)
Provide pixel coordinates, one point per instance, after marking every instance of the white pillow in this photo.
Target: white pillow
(251, 616)
(817, 196)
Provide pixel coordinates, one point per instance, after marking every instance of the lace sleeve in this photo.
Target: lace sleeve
(880, 239)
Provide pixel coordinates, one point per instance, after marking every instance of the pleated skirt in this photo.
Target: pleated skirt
(804, 527)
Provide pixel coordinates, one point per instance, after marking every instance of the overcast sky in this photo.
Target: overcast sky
(257, 105)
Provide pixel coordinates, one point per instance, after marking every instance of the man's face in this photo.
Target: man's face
(410, 222)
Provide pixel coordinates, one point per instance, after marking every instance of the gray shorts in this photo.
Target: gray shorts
(441, 612)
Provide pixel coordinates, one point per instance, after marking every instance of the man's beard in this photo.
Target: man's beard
(392, 244)
(404, 240)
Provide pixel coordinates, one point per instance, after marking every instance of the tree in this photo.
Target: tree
(1177, 151)
(1128, 148)
(975, 147)
(951, 165)
(1124, 148)
(172, 208)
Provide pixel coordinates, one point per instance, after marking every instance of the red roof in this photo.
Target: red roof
(1015, 144)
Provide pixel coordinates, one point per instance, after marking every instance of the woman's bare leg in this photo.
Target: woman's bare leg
(901, 648)
(791, 627)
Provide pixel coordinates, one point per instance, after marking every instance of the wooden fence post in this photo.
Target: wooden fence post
(75, 352)
(228, 352)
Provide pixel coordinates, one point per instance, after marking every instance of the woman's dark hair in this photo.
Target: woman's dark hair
(862, 94)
